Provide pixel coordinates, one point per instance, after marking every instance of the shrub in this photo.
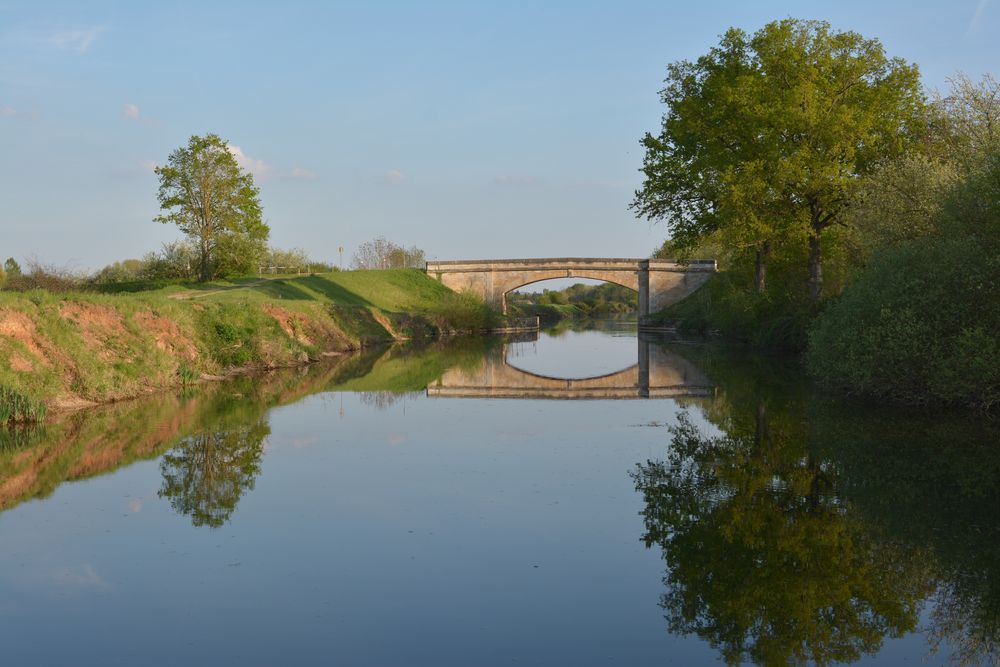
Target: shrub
(45, 277)
(725, 305)
(463, 311)
(919, 325)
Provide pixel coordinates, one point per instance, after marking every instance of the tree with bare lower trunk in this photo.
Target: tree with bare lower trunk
(215, 203)
(766, 139)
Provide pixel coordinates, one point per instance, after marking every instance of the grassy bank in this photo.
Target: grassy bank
(73, 349)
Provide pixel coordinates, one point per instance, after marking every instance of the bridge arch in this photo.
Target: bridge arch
(615, 278)
(658, 282)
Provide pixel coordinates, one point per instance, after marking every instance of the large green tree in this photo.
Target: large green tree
(765, 139)
(214, 202)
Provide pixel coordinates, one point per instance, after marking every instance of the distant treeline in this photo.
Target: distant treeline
(174, 262)
(179, 261)
(575, 301)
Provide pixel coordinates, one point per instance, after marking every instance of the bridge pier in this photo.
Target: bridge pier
(643, 279)
(643, 367)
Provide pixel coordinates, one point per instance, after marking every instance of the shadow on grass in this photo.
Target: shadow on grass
(281, 289)
(333, 291)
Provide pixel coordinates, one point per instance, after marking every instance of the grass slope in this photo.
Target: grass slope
(65, 350)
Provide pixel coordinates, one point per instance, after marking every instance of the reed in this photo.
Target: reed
(16, 408)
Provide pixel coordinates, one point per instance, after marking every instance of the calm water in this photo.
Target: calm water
(586, 498)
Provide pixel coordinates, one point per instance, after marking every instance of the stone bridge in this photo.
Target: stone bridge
(658, 373)
(659, 282)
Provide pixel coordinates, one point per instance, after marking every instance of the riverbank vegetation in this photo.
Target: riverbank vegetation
(217, 302)
(855, 216)
(73, 348)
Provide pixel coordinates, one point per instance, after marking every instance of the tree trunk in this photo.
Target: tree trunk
(761, 434)
(815, 268)
(204, 271)
(760, 274)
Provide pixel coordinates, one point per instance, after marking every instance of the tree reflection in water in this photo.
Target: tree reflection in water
(812, 529)
(208, 472)
(764, 561)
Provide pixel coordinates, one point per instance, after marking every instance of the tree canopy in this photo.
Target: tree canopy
(765, 138)
(215, 203)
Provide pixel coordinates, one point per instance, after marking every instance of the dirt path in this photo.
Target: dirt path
(194, 294)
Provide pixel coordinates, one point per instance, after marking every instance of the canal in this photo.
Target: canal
(585, 496)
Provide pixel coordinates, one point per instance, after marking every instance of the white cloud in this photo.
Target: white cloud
(131, 111)
(301, 174)
(977, 16)
(7, 112)
(75, 40)
(258, 168)
(395, 176)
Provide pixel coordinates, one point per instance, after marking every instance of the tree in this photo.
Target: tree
(380, 253)
(765, 139)
(919, 324)
(12, 267)
(215, 203)
(706, 172)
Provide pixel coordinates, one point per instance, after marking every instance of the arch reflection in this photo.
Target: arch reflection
(657, 373)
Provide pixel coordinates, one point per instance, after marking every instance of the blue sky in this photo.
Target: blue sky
(506, 129)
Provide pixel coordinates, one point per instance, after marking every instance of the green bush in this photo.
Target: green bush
(234, 333)
(463, 311)
(725, 305)
(919, 325)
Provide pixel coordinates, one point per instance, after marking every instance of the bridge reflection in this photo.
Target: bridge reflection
(657, 373)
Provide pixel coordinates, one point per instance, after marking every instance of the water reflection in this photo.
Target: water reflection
(764, 561)
(207, 473)
(210, 437)
(810, 531)
(793, 528)
(657, 373)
